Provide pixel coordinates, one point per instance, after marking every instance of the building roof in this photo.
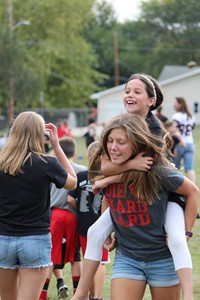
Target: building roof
(172, 71)
(168, 75)
(176, 74)
(107, 91)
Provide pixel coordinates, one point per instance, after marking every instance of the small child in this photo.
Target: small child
(172, 128)
(89, 205)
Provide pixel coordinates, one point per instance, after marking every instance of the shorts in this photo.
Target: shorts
(77, 257)
(187, 154)
(63, 225)
(158, 273)
(33, 251)
(105, 255)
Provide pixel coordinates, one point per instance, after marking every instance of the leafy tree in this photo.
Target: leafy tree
(67, 52)
(166, 32)
(174, 28)
(25, 81)
(56, 50)
(100, 34)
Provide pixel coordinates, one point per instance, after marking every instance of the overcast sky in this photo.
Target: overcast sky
(126, 9)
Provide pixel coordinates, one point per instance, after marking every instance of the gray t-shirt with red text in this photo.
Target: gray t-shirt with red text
(139, 228)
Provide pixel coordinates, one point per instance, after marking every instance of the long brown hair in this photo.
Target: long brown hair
(146, 184)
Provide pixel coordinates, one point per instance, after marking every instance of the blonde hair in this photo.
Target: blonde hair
(146, 184)
(26, 136)
(92, 148)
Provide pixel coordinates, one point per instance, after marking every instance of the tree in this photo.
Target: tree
(174, 28)
(25, 80)
(68, 50)
(100, 34)
(166, 32)
(56, 50)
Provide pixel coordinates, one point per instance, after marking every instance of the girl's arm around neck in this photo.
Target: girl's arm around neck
(104, 205)
(140, 163)
(100, 184)
(72, 202)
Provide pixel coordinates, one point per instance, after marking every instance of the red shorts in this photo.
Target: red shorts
(63, 225)
(83, 243)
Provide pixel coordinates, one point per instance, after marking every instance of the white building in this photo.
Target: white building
(175, 81)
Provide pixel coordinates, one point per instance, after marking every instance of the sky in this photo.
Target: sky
(126, 9)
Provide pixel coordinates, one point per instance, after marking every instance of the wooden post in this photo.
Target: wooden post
(116, 59)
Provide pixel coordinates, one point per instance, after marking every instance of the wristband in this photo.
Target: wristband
(189, 233)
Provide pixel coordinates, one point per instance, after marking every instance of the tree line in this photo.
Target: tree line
(74, 48)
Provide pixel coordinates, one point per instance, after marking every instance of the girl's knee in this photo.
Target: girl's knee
(96, 235)
(177, 242)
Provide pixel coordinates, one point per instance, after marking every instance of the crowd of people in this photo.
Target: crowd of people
(130, 196)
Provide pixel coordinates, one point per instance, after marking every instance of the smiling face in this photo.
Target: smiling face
(136, 99)
(119, 146)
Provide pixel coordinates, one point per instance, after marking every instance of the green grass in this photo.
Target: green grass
(194, 244)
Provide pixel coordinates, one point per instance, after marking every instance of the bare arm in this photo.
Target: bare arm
(140, 163)
(104, 182)
(110, 242)
(104, 205)
(71, 180)
(179, 136)
(71, 201)
(191, 193)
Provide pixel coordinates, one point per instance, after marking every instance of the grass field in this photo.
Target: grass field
(194, 243)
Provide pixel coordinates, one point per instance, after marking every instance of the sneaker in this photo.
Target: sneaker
(62, 290)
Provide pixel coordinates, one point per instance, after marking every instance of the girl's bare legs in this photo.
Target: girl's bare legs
(128, 289)
(185, 277)
(96, 237)
(177, 242)
(89, 268)
(8, 284)
(165, 293)
(22, 284)
(134, 290)
(98, 282)
(31, 282)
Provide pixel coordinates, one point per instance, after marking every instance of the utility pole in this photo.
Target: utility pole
(116, 59)
(11, 83)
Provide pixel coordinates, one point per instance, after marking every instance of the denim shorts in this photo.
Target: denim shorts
(159, 273)
(32, 251)
(187, 154)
